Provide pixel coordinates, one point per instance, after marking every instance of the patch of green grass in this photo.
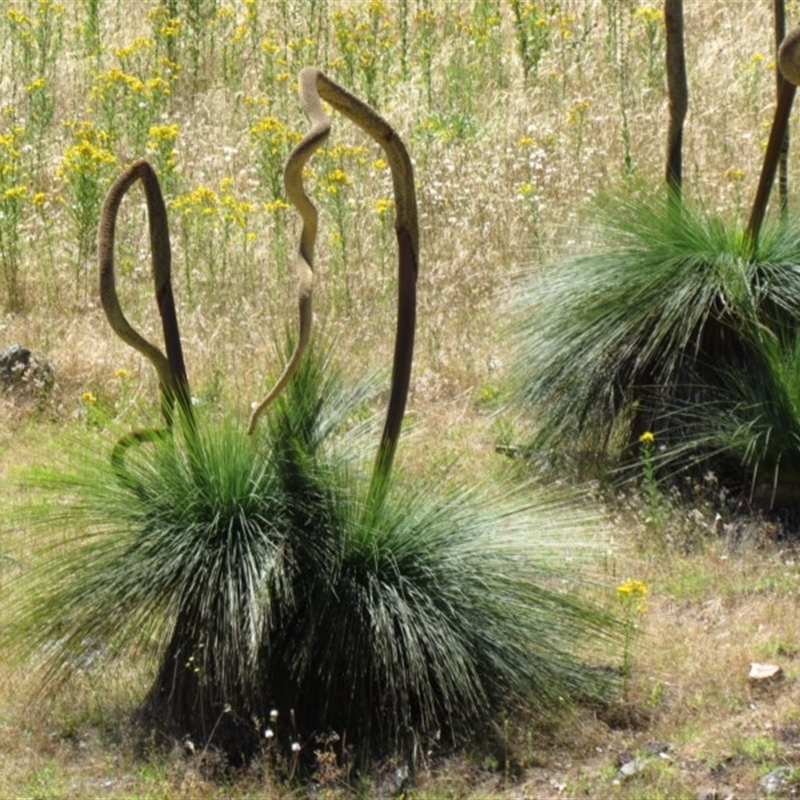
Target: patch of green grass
(44, 784)
(779, 647)
(689, 586)
(762, 750)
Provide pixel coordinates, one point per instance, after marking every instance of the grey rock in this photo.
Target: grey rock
(22, 370)
(631, 768)
(776, 779)
(765, 674)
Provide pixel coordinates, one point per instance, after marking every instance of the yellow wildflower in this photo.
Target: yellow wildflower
(35, 85)
(337, 176)
(83, 157)
(18, 17)
(275, 205)
(649, 14)
(172, 27)
(383, 205)
(156, 85)
(15, 192)
(577, 112)
(203, 198)
(634, 592)
(139, 43)
(268, 47)
(164, 132)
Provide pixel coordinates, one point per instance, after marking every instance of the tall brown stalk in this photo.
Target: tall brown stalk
(783, 158)
(678, 92)
(789, 66)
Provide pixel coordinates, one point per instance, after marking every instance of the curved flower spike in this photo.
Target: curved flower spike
(171, 369)
(789, 63)
(313, 85)
(295, 191)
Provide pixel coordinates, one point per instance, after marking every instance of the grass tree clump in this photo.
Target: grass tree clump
(268, 570)
(255, 573)
(616, 340)
(669, 321)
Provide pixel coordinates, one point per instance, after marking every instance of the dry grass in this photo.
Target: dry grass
(504, 174)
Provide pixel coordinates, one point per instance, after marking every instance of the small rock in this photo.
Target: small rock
(764, 673)
(631, 768)
(776, 779)
(91, 785)
(21, 370)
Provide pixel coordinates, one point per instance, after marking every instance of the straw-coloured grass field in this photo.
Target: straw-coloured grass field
(517, 115)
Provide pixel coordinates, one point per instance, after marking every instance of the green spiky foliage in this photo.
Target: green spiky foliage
(750, 433)
(191, 553)
(444, 613)
(260, 574)
(667, 294)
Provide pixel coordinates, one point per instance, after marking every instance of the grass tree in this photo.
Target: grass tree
(269, 569)
(667, 292)
(669, 307)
